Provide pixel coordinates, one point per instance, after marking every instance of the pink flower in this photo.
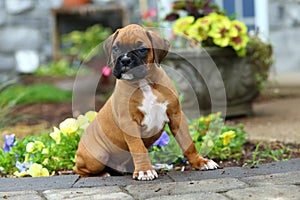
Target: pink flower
(149, 14)
(106, 71)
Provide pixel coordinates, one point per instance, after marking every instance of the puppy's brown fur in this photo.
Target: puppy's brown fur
(118, 135)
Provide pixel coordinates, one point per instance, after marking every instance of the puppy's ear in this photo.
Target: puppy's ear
(160, 46)
(107, 46)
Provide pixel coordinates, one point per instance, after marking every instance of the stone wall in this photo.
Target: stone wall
(26, 25)
(284, 18)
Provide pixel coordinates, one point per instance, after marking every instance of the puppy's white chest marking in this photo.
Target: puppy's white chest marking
(155, 112)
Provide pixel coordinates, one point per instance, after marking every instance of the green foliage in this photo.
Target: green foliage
(216, 140)
(19, 94)
(82, 43)
(263, 152)
(52, 156)
(171, 153)
(211, 138)
(53, 151)
(255, 159)
(262, 59)
(57, 69)
(36, 93)
(56, 151)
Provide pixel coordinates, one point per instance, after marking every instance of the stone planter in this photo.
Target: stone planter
(213, 80)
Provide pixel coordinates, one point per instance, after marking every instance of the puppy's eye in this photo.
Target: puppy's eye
(115, 49)
(144, 50)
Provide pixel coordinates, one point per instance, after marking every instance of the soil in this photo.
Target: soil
(42, 117)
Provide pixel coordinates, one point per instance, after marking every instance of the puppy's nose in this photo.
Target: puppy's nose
(126, 61)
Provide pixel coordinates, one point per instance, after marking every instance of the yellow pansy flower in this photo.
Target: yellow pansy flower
(55, 135)
(20, 174)
(227, 137)
(46, 161)
(68, 126)
(210, 143)
(39, 145)
(191, 127)
(202, 119)
(91, 115)
(36, 170)
(45, 151)
(30, 147)
(33, 147)
(82, 121)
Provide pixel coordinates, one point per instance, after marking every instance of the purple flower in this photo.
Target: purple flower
(8, 142)
(163, 140)
(22, 167)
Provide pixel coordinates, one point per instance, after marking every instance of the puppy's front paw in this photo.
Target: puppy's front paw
(203, 164)
(210, 165)
(145, 175)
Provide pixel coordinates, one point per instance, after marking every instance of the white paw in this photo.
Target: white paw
(210, 165)
(146, 176)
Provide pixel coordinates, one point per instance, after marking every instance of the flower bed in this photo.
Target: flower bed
(211, 137)
(49, 153)
(45, 154)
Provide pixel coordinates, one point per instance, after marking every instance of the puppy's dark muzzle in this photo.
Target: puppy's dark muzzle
(124, 64)
(126, 61)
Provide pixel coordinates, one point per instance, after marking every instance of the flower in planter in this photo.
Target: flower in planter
(181, 26)
(149, 18)
(241, 40)
(199, 29)
(214, 30)
(222, 30)
(206, 23)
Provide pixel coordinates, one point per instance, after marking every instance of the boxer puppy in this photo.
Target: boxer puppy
(133, 118)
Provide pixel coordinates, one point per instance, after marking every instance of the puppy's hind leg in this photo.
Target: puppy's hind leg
(86, 164)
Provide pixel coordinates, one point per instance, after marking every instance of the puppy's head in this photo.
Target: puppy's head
(132, 51)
